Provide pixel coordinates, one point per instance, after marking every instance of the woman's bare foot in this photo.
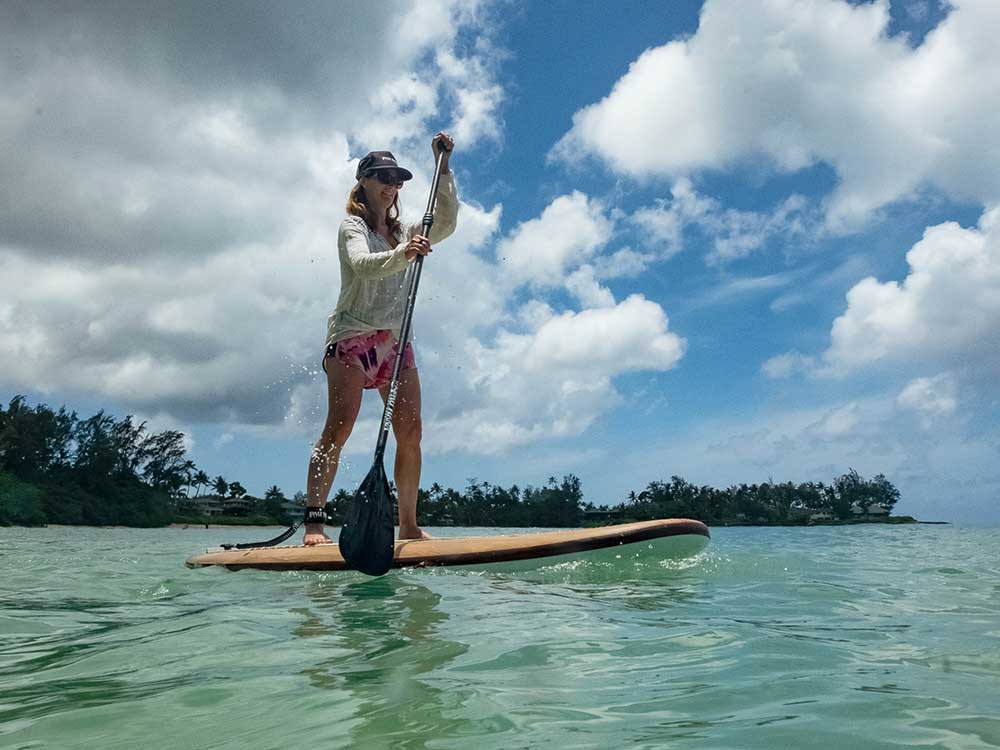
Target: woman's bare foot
(414, 533)
(315, 535)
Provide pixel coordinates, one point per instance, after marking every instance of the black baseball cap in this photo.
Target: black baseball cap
(377, 161)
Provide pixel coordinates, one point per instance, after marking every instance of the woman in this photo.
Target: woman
(361, 343)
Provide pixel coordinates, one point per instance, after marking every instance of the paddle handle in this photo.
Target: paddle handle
(411, 301)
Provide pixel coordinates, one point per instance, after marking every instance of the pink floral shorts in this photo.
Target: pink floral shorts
(374, 353)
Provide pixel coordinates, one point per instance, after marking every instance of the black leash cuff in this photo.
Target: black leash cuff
(315, 515)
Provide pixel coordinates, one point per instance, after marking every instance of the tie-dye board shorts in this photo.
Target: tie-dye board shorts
(373, 353)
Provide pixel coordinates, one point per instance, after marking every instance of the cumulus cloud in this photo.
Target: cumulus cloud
(568, 231)
(816, 81)
(169, 205)
(583, 285)
(946, 310)
(472, 83)
(556, 379)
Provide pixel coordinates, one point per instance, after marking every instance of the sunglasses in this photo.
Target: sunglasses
(386, 177)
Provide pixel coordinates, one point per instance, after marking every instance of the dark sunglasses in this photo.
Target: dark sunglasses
(386, 177)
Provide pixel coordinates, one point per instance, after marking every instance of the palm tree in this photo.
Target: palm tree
(274, 493)
(221, 486)
(189, 475)
(201, 479)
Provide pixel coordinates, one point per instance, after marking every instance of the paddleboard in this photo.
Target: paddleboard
(670, 538)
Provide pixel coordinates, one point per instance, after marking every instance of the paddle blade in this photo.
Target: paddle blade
(367, 536)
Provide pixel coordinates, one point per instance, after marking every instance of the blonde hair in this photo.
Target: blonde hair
(357, 205)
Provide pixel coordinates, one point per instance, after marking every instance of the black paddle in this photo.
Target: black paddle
(367, 538)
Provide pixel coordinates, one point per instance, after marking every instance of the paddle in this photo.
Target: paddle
(367, 536)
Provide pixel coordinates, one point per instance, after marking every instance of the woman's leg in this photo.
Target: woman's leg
(406, 427)
(345, 386)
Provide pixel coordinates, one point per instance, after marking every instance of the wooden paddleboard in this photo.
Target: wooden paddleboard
(666, 538)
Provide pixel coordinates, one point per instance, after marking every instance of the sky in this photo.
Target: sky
(731, 241)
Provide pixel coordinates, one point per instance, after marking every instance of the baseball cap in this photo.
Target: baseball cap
(376, 161)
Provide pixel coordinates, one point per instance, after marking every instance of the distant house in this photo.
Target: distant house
(206, 505)
(798, 509)
(294, 509)
(873, 510)
(236, 505)
(601, 514)
(821, 515)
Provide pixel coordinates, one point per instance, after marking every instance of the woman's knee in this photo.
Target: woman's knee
(408, 431)
(336, 432)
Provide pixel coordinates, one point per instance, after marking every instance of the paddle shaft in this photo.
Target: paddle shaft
(411, 299)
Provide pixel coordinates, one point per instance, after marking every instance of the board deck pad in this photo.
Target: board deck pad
(684, 535)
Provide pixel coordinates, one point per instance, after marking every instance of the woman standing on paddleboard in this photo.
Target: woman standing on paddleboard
(376, 251)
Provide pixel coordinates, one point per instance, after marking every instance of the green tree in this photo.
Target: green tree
(20, 502)
(35, 442)
(220, 485)
(882, 492)
(845, 490)
(166, 466)
(556, 504)
(201, 479)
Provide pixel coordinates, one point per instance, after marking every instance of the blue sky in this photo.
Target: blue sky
(730, 241)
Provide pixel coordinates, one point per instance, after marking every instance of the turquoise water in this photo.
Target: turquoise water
(838, 637)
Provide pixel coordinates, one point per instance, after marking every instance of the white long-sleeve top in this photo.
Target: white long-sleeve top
(374, 277)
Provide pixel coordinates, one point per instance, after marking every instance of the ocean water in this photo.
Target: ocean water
(837, 637)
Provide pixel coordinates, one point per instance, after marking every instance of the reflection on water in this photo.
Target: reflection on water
(386, 632)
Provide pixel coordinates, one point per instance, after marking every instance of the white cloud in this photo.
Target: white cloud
(808, 82)
(477, 96)
(787, 364)
(946, 311)
(583, 285)
(174, 238)
(930, 398)
(622, 264)
(568, 232)
(500, 370)
(734, 233)
(554, 380)
(169, 208)
(733, 290)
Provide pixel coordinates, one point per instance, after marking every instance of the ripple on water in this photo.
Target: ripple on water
(826, 638)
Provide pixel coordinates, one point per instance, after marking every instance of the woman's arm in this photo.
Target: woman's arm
(446, 204)
(352, 242)
(445, 210)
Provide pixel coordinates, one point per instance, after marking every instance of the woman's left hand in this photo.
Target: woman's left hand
(449, 146)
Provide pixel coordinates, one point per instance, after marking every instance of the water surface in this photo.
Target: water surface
(838, 637)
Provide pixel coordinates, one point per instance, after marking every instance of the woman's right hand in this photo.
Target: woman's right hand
(418, 245)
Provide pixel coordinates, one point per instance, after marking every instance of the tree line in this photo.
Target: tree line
(58, 468)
